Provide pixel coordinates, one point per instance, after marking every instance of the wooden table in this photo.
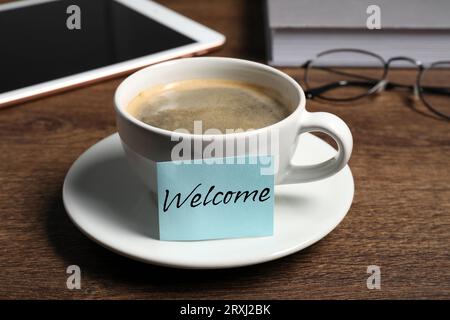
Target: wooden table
(399, 220)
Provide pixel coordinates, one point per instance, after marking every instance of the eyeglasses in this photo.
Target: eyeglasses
(349, 74)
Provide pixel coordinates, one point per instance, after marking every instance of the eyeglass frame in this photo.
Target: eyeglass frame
(382, 83)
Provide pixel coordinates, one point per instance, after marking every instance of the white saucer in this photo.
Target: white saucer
(105, 200)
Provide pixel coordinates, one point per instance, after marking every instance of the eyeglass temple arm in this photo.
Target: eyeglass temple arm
(437, 90)
(371, 84)
(334, 85)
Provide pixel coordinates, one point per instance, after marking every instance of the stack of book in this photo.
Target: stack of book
(297, 30)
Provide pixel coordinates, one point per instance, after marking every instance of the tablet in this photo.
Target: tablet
(51, 45)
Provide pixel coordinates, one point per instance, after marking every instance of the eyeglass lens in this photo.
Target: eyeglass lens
(344, 75)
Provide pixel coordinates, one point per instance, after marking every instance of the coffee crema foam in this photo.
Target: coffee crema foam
(219, 104)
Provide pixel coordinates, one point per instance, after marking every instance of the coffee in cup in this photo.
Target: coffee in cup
(219, 103)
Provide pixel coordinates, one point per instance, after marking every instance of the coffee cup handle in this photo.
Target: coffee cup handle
(339, 131)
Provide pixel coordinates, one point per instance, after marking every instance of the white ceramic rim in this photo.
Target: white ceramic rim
(120, 109)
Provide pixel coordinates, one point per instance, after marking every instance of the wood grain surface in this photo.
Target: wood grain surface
(399, 220)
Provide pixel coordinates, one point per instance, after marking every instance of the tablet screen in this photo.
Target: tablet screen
(37, 46)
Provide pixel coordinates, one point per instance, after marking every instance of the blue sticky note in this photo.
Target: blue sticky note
(199, 201)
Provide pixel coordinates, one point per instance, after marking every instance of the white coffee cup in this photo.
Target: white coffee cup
(145, 145)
